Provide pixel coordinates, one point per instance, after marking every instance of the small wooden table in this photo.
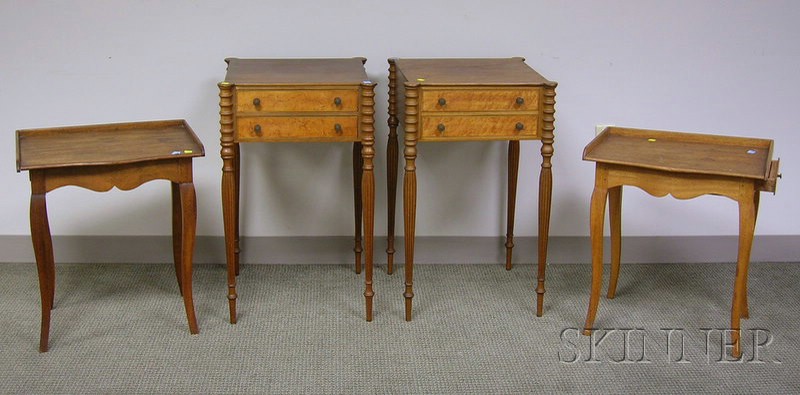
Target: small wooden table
(468, 100)
(302, 100)
(100, 157)
(685, 165)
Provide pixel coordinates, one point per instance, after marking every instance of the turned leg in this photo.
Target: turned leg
(747, 216)
(545, 191)
(358, 164)
(188, 206)
(237, 181)
(43, 249)
(230, 198)
(597, 212)
(391, 165)
(177, 232)
(368, 186)
(615, 220)
(513, 171)
(410, 189)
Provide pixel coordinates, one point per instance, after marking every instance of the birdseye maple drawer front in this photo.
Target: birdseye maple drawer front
(297, 128)
(521, 99)
(300, 100)
(478, 127)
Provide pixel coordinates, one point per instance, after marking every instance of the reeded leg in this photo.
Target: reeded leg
(230, 198)
(358, 164)
(410, 189)
(615, 220)
(368, 186)
(513, 171)
(747, 216)
(43, 249)
(189, 221)
(545, 191)
(177, 233)
(237, 181)
(597, 212)
(391, 165)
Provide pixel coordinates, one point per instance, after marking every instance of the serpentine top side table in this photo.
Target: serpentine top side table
(302, 100)
(685, 165)
(468, 100)
(100, 157)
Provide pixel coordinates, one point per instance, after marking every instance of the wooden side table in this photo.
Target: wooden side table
(100, 157)
(468, 100)
(685, 165)
(303, 100)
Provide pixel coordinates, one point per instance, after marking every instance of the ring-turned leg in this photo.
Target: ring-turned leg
(358, 164)
(410, 188)
(615, 220)
(747, 216)
(513, 171)
(189, 222)
(43, 249)
(368, 186)
(177, 232)
(545, 190)
(391, 165)
(596, 214)
(230, 200)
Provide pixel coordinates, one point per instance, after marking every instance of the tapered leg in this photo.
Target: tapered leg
(358, 164)
(747, 215)
(597, 212)
(410, 189)
(615, 220)
(391, 165)
(230, 198)
(177, 232)
(43, 249)
(368, 186)
(237, 181)
(545, 190)
(189, 222)
(513, 171)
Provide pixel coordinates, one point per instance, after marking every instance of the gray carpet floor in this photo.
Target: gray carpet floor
(122, 329)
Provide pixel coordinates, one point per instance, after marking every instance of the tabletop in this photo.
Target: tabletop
(107, 144)
(493, 71)
(682, 152)
(341, 71)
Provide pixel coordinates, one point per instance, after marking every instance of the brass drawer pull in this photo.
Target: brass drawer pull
(520, 101)
(256, 102)
(257, 129)
(442, 101)
(337, 128)
(337, 101)
(440, 128)
(520, 126)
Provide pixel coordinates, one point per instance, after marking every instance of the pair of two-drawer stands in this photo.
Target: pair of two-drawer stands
(332, 100)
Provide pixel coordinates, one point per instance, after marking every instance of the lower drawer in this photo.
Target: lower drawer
(480, 127)
(297, 128)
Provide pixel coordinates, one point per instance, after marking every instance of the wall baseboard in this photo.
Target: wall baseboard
(338, 249)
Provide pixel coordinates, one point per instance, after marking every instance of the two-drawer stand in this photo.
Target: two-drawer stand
(304, 100)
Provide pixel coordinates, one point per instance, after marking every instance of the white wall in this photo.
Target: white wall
(709, 66)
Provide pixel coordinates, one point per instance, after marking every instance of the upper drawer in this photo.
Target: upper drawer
(301, 100)
(504, 99)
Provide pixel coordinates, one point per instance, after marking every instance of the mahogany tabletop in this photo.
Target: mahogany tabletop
(106, 144)
(336, 71)
(683, 152)
(470, 71)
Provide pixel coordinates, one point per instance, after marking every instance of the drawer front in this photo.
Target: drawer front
(480, 127)
(299, 100)
(522, 99)
(278, 128)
